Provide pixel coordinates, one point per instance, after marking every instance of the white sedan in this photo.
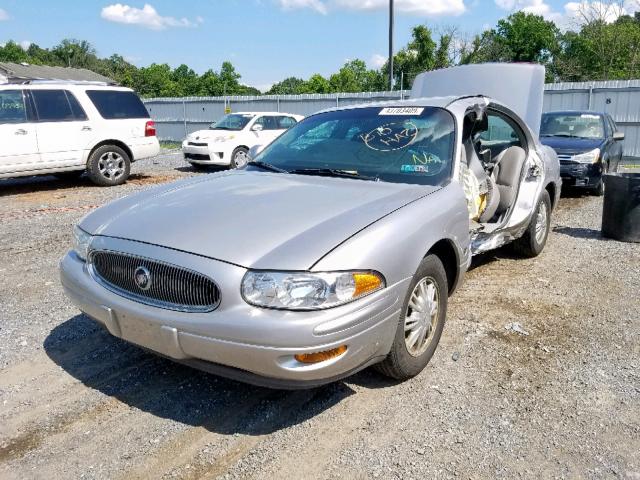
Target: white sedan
(228, 141)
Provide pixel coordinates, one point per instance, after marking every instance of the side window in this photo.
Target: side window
(501, 134)
(286, 122)
(12, 107)
(76, 108)
(52, 106)
(314, 136)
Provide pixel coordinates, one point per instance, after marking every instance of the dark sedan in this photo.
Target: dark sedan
(588, 145)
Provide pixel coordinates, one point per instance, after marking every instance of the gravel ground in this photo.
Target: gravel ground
(561, 401)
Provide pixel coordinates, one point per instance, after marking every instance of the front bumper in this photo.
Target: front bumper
(576, 174)
(237, 340)
(206, 154)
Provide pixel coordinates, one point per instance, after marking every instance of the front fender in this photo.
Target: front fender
(396, 244)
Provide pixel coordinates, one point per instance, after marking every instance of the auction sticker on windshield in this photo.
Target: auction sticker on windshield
(401, 111)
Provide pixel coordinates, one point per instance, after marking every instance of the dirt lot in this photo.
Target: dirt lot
(560, 402)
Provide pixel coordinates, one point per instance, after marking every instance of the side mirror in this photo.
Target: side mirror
(256, 128)
(618, 136)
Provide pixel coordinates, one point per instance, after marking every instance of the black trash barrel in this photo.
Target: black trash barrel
(621, 209)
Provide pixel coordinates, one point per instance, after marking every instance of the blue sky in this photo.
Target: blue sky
(267, 40)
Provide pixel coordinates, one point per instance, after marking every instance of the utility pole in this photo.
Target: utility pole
(391, 45)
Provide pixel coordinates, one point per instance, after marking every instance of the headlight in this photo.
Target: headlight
(82, 242)
(587, 157)
(307, 291)
(223, 138)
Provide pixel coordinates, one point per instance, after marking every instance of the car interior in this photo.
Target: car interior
(493, 157)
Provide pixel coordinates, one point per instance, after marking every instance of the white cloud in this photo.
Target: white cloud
(146, 17)
(575, 13)
(579, 12)
(25, 44)
(316, 5)
(377, 60)
(3, 15)
(425, 8)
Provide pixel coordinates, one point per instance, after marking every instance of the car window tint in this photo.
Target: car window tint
(286, 122)
(268, 122)
(12, 109)
(52, 106)
(76, 108)
(116, 104)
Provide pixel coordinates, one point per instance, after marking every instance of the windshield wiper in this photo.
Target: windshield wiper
(332, 172)
(565, 135)
(267, 166)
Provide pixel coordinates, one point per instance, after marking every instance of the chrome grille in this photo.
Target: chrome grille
(172, 287)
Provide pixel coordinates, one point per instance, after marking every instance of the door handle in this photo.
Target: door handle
(86, 129)
(21, 131)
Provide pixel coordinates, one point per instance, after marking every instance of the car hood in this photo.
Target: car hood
(570, 145)
(253, 219)
(208, 134)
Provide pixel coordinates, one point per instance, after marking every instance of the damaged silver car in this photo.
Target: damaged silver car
(337, 247)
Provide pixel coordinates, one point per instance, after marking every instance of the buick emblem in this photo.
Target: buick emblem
(142, 277)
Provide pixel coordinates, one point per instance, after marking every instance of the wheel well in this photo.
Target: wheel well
(446, 252)
(117, 143)
(551, 189)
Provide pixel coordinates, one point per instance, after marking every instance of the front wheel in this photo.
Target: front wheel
(240, 157)
(421, 322)
(109, 165)
(535, 237)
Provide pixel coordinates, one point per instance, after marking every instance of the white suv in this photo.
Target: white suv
(228, 141)
(68, 128)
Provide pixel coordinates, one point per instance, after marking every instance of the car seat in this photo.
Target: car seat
(506, 175)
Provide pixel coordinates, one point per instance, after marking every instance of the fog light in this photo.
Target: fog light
(320, 356)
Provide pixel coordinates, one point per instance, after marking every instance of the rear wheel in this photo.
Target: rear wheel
(421, 322)
(109, 165)
(535, 237)
(240, 157)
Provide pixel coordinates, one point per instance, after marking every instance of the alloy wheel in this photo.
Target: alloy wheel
(111, 165)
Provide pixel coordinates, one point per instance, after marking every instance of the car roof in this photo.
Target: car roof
(266, 113)
(440, 102)
(575, 112)
(63, 86)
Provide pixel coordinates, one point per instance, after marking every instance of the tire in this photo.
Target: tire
(404, 362)
(598, 190)
(535, 237)
(109, 165)
(237, 159)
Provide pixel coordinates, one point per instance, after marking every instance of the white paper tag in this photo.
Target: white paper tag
(401, 111)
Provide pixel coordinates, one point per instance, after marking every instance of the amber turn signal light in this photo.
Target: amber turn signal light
(320, 356)
(365, 283)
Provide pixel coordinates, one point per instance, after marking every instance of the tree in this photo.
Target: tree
(75, 53)
(288, 86)
(527, 38)
(317, 84)
(354, 77)
(12, 52)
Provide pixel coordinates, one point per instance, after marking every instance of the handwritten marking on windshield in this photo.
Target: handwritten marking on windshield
(389, 137)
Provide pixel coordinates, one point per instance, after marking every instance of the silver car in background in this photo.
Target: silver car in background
(336, 248)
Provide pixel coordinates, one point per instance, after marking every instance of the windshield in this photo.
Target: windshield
(400, 144)
(575, 125)
(233, 121)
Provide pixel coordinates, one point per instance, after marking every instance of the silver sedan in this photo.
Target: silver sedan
(336, 248)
